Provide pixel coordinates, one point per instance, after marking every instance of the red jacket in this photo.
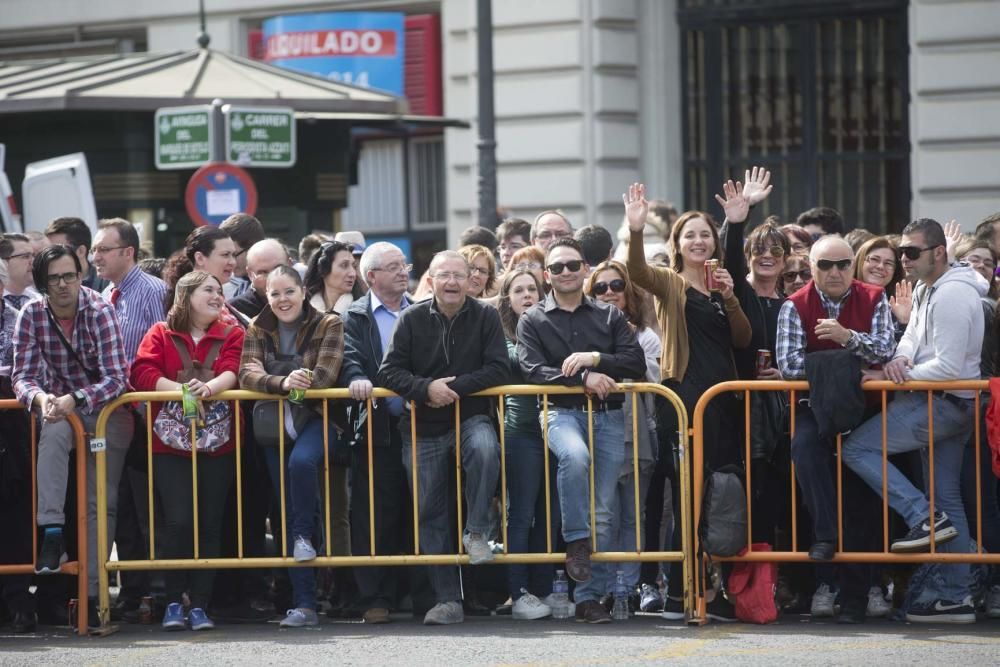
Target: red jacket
(158, 358)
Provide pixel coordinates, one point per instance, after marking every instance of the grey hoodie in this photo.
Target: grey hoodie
(944, 338)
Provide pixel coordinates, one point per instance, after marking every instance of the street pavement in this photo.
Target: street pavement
(643, 640)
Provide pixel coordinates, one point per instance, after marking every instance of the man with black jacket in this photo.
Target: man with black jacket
(443, 350)
(368, 327)
(573, 340)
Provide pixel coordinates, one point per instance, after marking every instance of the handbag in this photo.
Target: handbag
(265, 413)
(212, 432)
(769, 417)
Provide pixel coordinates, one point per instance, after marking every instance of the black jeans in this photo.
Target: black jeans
(172, 476)
(378, 586)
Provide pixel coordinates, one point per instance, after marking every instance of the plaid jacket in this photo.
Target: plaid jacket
(42, 363)
(323, 355)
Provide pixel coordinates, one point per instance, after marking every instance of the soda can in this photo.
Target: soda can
(71, 612)
(711, 266)
(298, 395)
(763, 360)
(146, 610)
(189, 403)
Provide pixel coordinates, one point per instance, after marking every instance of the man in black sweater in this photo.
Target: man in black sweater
(443, 350)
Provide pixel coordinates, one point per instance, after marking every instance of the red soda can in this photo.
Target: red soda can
(711, 266)
(71, 612)
(146, 610)
(763, 360)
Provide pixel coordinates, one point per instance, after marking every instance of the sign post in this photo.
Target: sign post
(260, 136)
(184, 137)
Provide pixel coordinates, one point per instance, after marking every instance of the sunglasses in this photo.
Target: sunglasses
(914, 252)
(790, 276)
(617, 286)
(574, 265)
(827, 264)
(775, 251)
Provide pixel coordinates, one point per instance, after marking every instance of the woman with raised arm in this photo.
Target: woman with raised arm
(693, 305)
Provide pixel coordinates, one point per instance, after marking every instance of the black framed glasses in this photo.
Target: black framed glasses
(617, 286)
(69, 278)
(827, 264)
(574, 265)
(914, 252)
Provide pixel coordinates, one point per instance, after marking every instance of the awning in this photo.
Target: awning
(148, 81)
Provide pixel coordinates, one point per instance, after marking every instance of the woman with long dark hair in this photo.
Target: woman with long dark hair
(331, 280)
(207, 249)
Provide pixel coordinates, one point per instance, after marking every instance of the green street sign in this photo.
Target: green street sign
(183, 137)
(260, 136)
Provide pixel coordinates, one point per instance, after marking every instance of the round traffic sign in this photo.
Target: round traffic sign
(217, 190)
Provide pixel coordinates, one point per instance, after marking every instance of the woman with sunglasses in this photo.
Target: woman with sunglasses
(689, 311)
(525, 458)
(796, 274)
(331, 279)
(610, 283)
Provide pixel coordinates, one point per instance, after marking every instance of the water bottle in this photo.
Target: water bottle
(620, 611)
(560, 596)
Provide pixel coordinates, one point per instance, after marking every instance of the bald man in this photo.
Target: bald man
(262, 257)
(832, 312)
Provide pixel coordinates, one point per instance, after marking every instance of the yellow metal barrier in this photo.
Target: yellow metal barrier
(107, 566)
(797, 556)
(79, 566)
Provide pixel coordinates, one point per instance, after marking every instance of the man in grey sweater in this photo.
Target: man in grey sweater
(942, 343)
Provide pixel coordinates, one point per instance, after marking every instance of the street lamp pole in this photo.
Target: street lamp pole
(487, 138)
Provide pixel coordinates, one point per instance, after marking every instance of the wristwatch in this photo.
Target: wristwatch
(597, 358)
(79, 398)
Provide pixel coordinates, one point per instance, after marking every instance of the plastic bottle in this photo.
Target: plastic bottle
(620, 611)
(560, 596)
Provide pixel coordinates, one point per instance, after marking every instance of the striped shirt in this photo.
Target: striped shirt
(139, 307)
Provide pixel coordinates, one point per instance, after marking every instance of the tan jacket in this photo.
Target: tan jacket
(669, 289)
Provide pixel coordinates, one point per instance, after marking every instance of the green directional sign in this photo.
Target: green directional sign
(260, 136)
(183, 137)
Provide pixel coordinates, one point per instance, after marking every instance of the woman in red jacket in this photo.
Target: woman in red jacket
(193, 332)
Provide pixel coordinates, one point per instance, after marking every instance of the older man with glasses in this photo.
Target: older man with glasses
(442, 351)
(832, 312)
(549, 227)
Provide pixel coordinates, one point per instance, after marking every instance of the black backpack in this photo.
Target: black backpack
(722, 530)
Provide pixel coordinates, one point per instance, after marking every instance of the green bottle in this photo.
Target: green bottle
(189, 403)
(298, 395)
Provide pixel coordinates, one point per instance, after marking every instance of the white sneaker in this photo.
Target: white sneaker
(993, 602)
(299, 618)
(822, 602)
(303, 550)
(528, 607)
(478, 549)
(878, 607)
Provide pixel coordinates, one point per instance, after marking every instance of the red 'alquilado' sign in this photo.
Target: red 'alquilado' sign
(320, 43)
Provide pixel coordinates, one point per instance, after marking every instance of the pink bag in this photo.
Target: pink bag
(751, 586)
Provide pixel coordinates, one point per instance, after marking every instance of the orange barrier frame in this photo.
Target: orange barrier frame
(78, 567)
(797, 556)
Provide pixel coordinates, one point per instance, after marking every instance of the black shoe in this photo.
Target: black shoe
(720, 609)
(822, 551)
(52, 554)
(853, 612)
(942, 611)
(93, 617)
(23, 622)
(919, 538)
(608, 602)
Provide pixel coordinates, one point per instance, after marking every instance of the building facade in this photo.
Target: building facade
(884, 109)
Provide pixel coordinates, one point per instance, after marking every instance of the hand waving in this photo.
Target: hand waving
(902, 302)
(735, 204)
(636, 206)
(952, 234)
(757, 188)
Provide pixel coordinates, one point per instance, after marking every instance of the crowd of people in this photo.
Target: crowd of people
(683, 300)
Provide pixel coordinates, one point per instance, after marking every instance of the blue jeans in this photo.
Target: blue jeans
(435, 461)
(906, 424)
(567, 430)
(303, 463)
(526, 528)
